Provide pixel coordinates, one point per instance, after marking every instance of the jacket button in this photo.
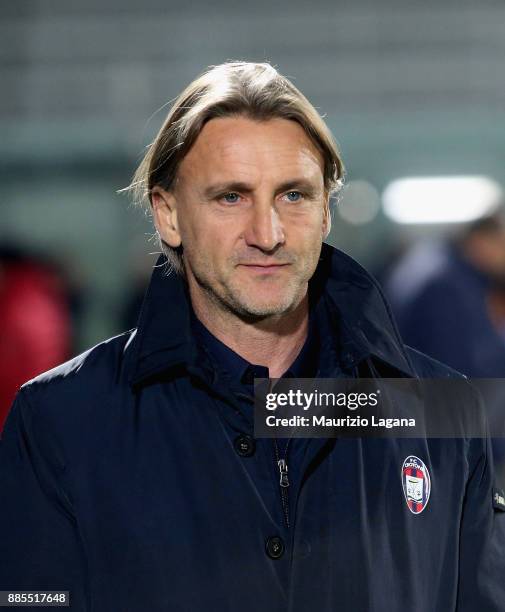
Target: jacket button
(245, 445)
(275, 547)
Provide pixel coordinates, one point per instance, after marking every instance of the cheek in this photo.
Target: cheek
(306, 231)
(194, 230)
(311, 218)
(208, 239)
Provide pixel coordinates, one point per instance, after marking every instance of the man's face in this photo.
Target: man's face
(250, 211)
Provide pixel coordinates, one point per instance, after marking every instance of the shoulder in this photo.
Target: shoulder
(84, 381)
(428, 367)
(104, 360)
(65, 413)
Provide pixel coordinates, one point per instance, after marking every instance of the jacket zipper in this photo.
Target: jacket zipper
(283, 480)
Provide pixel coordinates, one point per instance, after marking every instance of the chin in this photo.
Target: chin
(265, 308)
(259, 302)
(262, 311)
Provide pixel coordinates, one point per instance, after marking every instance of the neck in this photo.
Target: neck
(273, 342)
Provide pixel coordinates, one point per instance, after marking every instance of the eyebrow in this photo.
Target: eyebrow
(297, 183)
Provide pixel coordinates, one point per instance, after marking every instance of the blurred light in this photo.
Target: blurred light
(360, 203)
(443, 199)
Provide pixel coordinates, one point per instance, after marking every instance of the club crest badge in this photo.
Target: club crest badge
(416, 483)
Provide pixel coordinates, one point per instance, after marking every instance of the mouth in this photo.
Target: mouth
(264, 268)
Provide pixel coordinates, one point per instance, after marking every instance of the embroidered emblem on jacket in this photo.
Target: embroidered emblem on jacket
(416, 484)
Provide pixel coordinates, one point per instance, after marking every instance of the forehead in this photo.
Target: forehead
(234, 147)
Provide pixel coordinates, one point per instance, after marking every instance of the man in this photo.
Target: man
(131, 476)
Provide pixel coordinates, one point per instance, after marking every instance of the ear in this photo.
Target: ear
(164, 206)
(326, 217)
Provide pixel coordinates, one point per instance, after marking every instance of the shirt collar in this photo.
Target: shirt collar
(241, 370)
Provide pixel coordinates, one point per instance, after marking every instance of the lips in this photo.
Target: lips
(273, 265)
(264, 268)
(263, 265)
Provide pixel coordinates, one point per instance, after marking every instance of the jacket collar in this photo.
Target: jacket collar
(359, 314)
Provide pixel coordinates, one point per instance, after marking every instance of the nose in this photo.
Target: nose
(264, 230)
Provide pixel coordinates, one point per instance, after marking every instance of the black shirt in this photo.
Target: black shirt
(242, 373)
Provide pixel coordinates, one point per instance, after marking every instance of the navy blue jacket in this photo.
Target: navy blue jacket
(130, 476)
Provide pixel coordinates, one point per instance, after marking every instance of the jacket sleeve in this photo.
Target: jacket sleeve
(40, 549)
(482, 546)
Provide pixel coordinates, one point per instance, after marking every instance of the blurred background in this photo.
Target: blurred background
(413, 92)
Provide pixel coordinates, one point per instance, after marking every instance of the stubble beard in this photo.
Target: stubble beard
(229, 297)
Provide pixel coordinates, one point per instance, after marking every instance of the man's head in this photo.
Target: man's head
(239, 179)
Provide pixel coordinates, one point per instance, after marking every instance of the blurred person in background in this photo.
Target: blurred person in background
(447, 298)
(35, 322)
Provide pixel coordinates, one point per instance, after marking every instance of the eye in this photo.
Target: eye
(231, 197)
(294, 196)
